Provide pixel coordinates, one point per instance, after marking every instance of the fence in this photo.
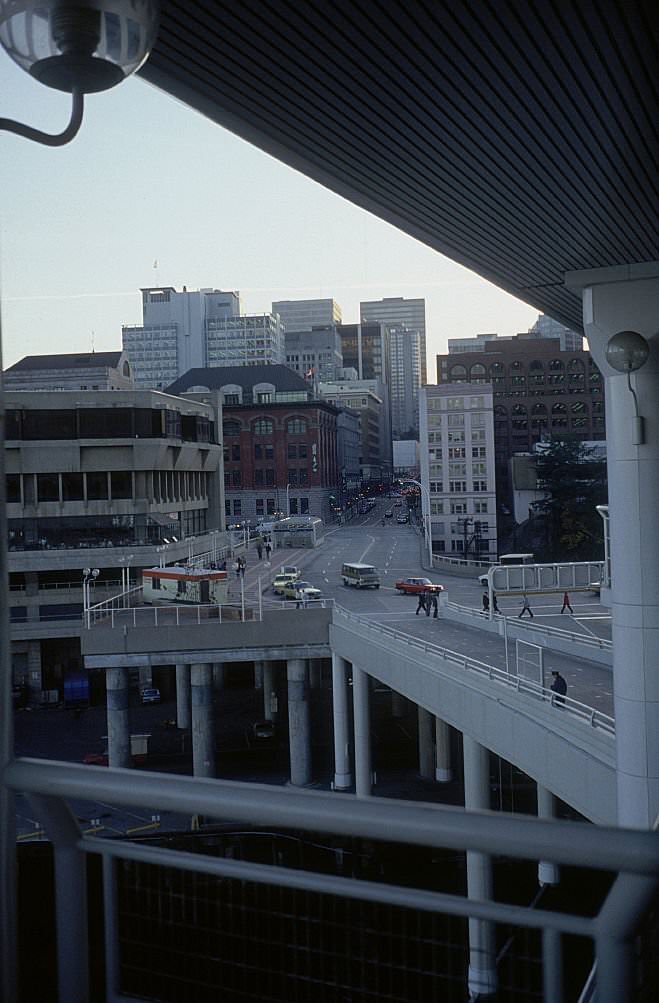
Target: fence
(167, 892)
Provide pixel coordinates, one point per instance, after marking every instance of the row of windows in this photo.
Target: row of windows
(266, 506)
(479, 373)
(264, 426)
(102, 485)
(520, 410)
(107, 423)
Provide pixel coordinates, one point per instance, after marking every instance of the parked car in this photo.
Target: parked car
(301, 590)
(280, 581)
(150, 695)
(412, 586)
(402, 518)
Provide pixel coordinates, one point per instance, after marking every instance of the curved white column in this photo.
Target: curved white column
(614, 300)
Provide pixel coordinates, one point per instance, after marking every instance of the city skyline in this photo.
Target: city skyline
(84, 228)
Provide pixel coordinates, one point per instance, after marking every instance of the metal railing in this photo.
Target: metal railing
(113, 614)
(632, 855)
(573, 708)
(576, 637)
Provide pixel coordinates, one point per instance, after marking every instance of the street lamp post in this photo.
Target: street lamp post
(89, 575)
(425, 515)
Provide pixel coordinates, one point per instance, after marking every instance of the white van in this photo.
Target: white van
(362, 576)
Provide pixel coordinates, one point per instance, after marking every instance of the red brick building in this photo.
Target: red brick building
(280, 443)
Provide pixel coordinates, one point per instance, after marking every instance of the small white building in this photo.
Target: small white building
(457, 468)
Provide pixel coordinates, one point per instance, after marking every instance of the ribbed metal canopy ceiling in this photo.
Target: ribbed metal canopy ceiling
(518, 137)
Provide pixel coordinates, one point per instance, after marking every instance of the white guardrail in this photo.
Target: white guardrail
(590, 640)
(113, 613)
(589, 715)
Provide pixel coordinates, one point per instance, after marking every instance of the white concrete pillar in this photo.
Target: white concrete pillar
(443, 771)
(362, 725)
(218, 676)
(146, 677)
(617, 299)
(398, 703)
(314, 673)
(34, 671)
(548, 872)
(116, 686)
(482, 946)
(183, 697)
(299, 727)
(269, 692)
(342, 775)
(203, 720)
(258, 675)
(426, 749)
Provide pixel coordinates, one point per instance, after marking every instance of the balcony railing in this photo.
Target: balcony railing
(621, 914)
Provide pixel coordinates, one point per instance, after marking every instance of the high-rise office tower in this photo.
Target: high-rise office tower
(404, 382)
(315, 355)
(401, 313)
(303, 315)
(192, 329)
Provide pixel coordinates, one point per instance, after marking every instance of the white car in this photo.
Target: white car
(301, 591)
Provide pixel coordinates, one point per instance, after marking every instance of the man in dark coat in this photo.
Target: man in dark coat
(559, 687)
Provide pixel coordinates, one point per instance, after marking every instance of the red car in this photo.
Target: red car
(416, 585)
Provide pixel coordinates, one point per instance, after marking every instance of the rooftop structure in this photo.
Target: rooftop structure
(74, 371)
(304, 315)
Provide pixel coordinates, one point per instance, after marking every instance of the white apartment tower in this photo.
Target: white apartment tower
(401, 313)
(457, 468)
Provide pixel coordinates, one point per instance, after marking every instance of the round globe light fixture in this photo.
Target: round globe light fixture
(79, 47)
(627, 351)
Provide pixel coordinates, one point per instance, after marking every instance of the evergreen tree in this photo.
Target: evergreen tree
(575, 483)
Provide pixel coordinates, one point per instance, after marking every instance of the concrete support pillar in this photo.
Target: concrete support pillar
(269, 692)
(299, 728)
(258, 675)
(218, 676)
(342, 775)
(482, 946)
(426, 749)
(362, 723)
(398, 704)
(116, 685)
(34, 672)
(203, 720)
(146, 677)
(548, 873)
(315, 673)
(183, 697)
(615, 300)
(443, 771)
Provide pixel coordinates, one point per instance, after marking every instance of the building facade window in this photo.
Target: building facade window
(263, 426)
(296, 426)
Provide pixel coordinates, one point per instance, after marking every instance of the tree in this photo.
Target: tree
(575, 482)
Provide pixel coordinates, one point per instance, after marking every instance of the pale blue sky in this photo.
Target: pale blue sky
(147, 179)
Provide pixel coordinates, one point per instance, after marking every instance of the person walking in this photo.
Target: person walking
(259, 550)
(268, 549)
(486, 603)
(526, 607)
(433, 599)
(421, 603)
(495, 604)
(559, 687)
(566, 603)
(428, 603)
